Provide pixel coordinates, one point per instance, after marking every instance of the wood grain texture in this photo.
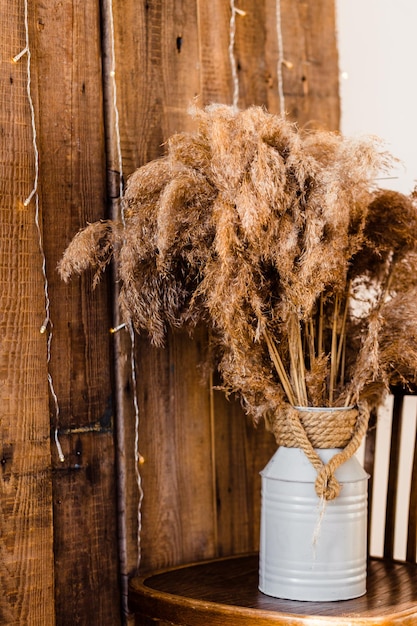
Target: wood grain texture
(71, 138)
(224, 592)
(241, 452)
(67, 73)
(175, 436)
(87, 589)
(250, 47)
(310, 72)
(158, 74)
(216, 84)
(26, 532)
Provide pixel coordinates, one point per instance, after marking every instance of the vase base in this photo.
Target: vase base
(301, 594)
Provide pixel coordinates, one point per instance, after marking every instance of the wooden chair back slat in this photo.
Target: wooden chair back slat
(411, 555)
(368, 461)
(391, 505)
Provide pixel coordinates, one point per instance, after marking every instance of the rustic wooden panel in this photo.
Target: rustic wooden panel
(214, 39)
(87, 589)
(242, 451)
(158, 78)
(250, 47)
(26, 535)
(311, 73)
(178, 519)
(71, 137)
(73, 186)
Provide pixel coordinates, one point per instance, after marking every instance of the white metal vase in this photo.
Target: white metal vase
(312, 549)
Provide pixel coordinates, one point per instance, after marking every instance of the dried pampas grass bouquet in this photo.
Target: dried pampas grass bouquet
(280, 242)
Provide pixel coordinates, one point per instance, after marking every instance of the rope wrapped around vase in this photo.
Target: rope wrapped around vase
(297, 427)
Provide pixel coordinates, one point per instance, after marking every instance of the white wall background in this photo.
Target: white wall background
(378, 78)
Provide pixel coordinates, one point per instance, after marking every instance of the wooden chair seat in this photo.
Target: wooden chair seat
(224, 592)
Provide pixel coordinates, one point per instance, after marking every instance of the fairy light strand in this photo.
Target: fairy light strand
(26, 51)
(138, 457)
(281, 58)
(232, 58)
(116, 110)
(34, 194)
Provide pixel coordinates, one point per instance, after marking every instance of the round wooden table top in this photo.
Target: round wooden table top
(224, 592)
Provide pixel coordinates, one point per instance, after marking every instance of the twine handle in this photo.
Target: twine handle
(326, 485)
(325, 480)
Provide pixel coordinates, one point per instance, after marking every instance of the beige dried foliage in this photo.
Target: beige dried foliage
(92, 247)
(274, 238)
(398, 339)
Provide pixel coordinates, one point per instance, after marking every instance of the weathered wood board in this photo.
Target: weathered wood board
(26, 527)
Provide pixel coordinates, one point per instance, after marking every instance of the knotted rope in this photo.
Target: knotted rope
(308, 430)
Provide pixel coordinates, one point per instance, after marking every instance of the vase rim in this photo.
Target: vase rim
(321, 409)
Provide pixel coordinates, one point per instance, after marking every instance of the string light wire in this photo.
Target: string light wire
(138, 457)
(34, 195)
(281, 58)
(116, 110)
(232, 58)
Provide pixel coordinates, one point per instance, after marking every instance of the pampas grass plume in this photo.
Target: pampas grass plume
(272, 237)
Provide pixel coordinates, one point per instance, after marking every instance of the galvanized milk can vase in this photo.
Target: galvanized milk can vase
(305, 275)
(313, 543)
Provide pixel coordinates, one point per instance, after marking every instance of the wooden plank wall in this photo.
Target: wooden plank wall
(58, 534)
(63, 559)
